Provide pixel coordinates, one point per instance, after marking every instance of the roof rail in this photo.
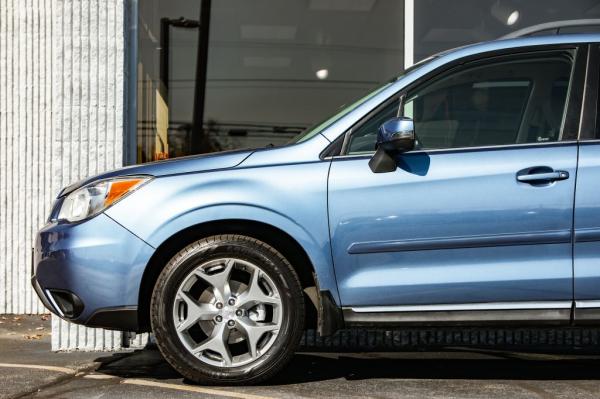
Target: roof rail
(557, 25)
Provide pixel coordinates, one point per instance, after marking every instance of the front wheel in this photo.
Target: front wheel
(227, 309)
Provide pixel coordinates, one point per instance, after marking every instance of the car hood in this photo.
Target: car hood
(189, 164)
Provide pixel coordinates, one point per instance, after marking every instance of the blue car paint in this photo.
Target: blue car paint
(97, 260)
(587, 224)
(189, 164)
(437, 197)
(261, 192)
(287, 187)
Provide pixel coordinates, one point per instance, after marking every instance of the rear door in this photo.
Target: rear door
(586, 262)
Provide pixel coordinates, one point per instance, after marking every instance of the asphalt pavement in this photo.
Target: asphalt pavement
(29, 369)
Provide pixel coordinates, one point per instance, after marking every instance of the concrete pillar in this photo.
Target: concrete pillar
(63, 115)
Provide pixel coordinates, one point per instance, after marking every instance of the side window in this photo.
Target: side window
(364, 136)
(512, 100)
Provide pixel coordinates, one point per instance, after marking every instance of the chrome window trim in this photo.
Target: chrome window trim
(463, 149)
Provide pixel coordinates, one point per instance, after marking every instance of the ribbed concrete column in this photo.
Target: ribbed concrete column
(62, 110)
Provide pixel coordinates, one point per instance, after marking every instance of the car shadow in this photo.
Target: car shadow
(452, 364)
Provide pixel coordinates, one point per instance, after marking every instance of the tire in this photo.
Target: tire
(257, 290)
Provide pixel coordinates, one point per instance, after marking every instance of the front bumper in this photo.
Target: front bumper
(90, 272)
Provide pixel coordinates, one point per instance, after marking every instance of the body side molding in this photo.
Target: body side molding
(587, 312)
(587, 234)
(551, 312)
(493, 240)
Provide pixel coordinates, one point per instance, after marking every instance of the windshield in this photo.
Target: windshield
(344, 110)
(319, 127)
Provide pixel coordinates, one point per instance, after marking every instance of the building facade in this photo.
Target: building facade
(91, 85)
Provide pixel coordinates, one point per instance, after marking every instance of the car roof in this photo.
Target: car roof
(510, 43)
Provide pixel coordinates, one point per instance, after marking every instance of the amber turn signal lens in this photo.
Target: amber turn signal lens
(118, 188)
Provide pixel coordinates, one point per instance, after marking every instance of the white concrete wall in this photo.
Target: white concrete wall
(62, 110)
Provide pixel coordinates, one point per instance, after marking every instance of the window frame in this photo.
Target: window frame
(589, 124)
(576, 103)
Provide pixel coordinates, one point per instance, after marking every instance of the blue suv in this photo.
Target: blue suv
(466, 191)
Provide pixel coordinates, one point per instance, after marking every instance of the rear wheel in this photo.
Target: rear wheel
(227, 309)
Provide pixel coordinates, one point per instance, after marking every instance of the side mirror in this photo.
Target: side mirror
(395, 136)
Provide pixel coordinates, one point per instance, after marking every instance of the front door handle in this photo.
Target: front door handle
(532, 176)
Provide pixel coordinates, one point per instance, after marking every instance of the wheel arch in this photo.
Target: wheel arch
(274, 236)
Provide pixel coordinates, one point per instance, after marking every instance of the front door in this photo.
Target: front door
(480, 216)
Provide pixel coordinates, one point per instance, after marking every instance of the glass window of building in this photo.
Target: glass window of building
(226, 74)
(231, 74)
(441, 25)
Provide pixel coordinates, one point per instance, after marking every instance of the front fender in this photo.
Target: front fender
(291, 198)
(318, 252)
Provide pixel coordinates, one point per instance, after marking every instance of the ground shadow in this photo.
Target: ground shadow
(144, 363)
(304, 367)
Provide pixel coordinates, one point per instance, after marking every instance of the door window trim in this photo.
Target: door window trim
(588, 125)
(501, 147)
(576, 102)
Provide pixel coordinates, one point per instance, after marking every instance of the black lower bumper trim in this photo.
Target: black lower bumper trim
(69, 304)
(42, 296)
(121, 319)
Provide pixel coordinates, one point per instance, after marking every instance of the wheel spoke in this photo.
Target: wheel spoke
(222, 305)
(219, 281)
(195, 311)
(254, 332)
(217, 342)
(254, 295)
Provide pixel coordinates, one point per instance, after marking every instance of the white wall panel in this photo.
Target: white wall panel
(62, 99)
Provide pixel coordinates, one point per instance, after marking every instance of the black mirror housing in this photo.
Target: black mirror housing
(395, 136)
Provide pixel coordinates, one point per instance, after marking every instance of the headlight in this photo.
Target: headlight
(96, 197)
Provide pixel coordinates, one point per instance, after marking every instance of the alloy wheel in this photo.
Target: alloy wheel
(227, 312)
